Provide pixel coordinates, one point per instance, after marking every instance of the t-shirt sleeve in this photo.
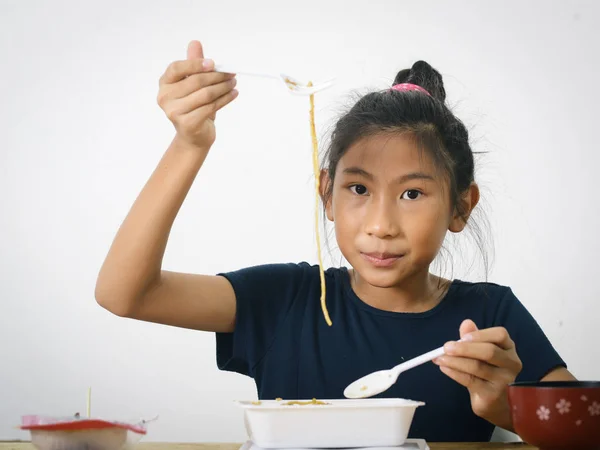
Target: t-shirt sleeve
(264, 296)
(537, 354)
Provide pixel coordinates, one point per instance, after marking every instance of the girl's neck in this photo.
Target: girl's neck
(420, 293)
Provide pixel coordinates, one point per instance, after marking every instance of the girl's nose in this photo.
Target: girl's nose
(381, 221)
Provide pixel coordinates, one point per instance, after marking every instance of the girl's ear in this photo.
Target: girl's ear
(325, 189)
(468, 201)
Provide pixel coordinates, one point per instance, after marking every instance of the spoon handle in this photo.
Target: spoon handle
(422, 359)
(223, 68)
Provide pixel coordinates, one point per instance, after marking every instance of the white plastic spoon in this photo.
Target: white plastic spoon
(380, 381)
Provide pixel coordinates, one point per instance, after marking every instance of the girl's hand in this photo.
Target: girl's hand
(486, 363)
(191, 93)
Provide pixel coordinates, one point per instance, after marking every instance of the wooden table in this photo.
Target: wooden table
(172, 446)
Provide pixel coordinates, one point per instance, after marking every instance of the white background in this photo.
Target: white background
(81, 132)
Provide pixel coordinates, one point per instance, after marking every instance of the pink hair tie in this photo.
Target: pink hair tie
(403, 87)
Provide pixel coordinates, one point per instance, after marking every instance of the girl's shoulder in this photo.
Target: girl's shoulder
(497, 302)
(478, 289)
(294, 270)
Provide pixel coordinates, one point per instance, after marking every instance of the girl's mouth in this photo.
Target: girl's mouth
(381, 259)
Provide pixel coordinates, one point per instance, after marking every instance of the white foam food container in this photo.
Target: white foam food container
(335, 424)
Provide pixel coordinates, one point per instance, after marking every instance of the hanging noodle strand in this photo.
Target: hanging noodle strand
(315, 155)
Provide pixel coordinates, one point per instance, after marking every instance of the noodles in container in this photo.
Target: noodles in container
(75, 433)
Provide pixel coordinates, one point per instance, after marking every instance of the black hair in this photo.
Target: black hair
(426, 118)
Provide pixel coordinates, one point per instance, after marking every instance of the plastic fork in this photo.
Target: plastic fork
(292, 85)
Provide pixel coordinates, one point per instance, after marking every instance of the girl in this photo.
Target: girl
(399, 175)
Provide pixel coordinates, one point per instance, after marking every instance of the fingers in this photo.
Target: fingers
(467, 380)
(487, 354)
(466, 327)
(195, 51)
(495, 335)
(197, 116)
(178, 70)
(483, 351)
(192, 84)
(475, 368)
(202, 97)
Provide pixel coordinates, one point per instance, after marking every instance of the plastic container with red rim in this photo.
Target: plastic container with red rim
(75, 433)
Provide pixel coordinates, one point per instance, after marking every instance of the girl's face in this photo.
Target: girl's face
(391, 209)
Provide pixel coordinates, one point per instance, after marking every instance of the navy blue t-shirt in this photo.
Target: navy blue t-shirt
(282, 341)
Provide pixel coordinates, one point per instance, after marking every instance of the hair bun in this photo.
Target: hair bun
(422, 74)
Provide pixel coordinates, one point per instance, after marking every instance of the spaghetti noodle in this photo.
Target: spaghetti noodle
(315, 145)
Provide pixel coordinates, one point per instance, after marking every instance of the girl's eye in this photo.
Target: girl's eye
(359, 189)
(411, 194)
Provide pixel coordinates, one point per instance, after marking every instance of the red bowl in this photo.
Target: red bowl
(557, 415)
